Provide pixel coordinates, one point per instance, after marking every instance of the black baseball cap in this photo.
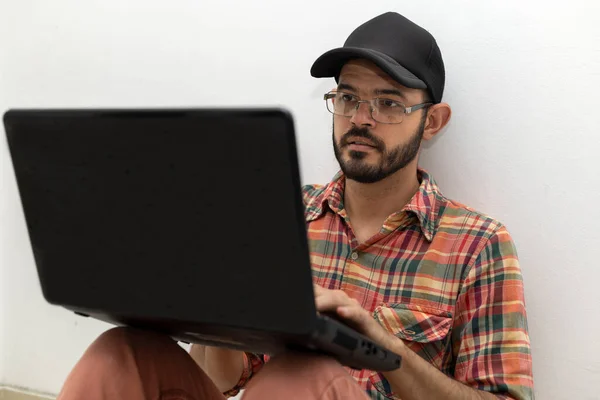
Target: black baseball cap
(402, 49)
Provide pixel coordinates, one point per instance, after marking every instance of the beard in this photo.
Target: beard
(357, 169)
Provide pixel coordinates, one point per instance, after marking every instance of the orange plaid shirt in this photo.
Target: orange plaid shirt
(439, 275)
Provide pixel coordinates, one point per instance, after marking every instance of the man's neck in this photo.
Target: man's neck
(374, 202)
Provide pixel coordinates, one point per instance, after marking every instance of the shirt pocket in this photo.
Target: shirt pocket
(425, 330)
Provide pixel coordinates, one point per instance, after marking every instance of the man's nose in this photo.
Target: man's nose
(362, 115)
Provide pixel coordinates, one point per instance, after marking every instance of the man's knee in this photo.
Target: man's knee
(115, 338)
(126, 336)
(110, 349)
(123, 343)
(305, 362)
(114, 335)
(300, 376)
(300, 367)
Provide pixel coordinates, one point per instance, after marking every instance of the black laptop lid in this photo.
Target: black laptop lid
(175, 214)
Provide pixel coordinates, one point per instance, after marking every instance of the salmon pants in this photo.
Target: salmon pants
(129, 364)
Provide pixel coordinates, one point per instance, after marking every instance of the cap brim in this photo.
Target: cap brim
(330, 64)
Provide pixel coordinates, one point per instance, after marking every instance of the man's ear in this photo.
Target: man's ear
(438, 117)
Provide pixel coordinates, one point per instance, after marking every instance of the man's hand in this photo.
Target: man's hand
(348, 309)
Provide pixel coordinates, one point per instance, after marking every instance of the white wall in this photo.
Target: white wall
(523, 144)
(3, 172)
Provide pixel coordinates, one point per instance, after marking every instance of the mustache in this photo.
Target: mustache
(356, 132)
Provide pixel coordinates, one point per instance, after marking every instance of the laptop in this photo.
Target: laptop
(184, 221)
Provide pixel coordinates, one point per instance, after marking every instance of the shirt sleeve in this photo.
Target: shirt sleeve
(252, 364)
(490, 338)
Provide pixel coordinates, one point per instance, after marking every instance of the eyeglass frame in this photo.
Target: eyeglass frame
(407, 110)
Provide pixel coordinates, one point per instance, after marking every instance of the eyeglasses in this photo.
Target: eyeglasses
(382, 110)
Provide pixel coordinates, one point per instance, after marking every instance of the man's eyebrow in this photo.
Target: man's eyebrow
(377, 92)
(393, 92)
(345, 86)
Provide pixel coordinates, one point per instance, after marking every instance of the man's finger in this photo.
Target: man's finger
(318, 289)
(352, 313)
(326, 302)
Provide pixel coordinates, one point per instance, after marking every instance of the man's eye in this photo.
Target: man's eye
(347, 98)
(387, 103)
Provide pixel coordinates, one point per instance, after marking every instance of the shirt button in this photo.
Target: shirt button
(354, 255)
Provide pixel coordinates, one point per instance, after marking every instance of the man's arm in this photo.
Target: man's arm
(223, 366)
(490, 329)
(491, 342)
(416, 379)
(230, 370)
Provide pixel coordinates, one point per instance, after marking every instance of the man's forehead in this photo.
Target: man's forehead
(358, 71)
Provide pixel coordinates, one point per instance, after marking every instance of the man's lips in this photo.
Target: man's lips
(360, 145)
(360, 142)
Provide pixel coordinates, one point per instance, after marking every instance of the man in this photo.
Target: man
(424, 276)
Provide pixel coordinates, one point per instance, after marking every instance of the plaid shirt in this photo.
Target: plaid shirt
(440, 276)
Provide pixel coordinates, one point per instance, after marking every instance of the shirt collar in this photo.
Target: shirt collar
(424, 204)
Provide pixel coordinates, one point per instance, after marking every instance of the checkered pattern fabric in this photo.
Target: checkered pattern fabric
(440, 276)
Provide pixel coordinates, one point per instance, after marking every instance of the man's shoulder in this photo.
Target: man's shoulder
(455, 217)
(477, 234)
